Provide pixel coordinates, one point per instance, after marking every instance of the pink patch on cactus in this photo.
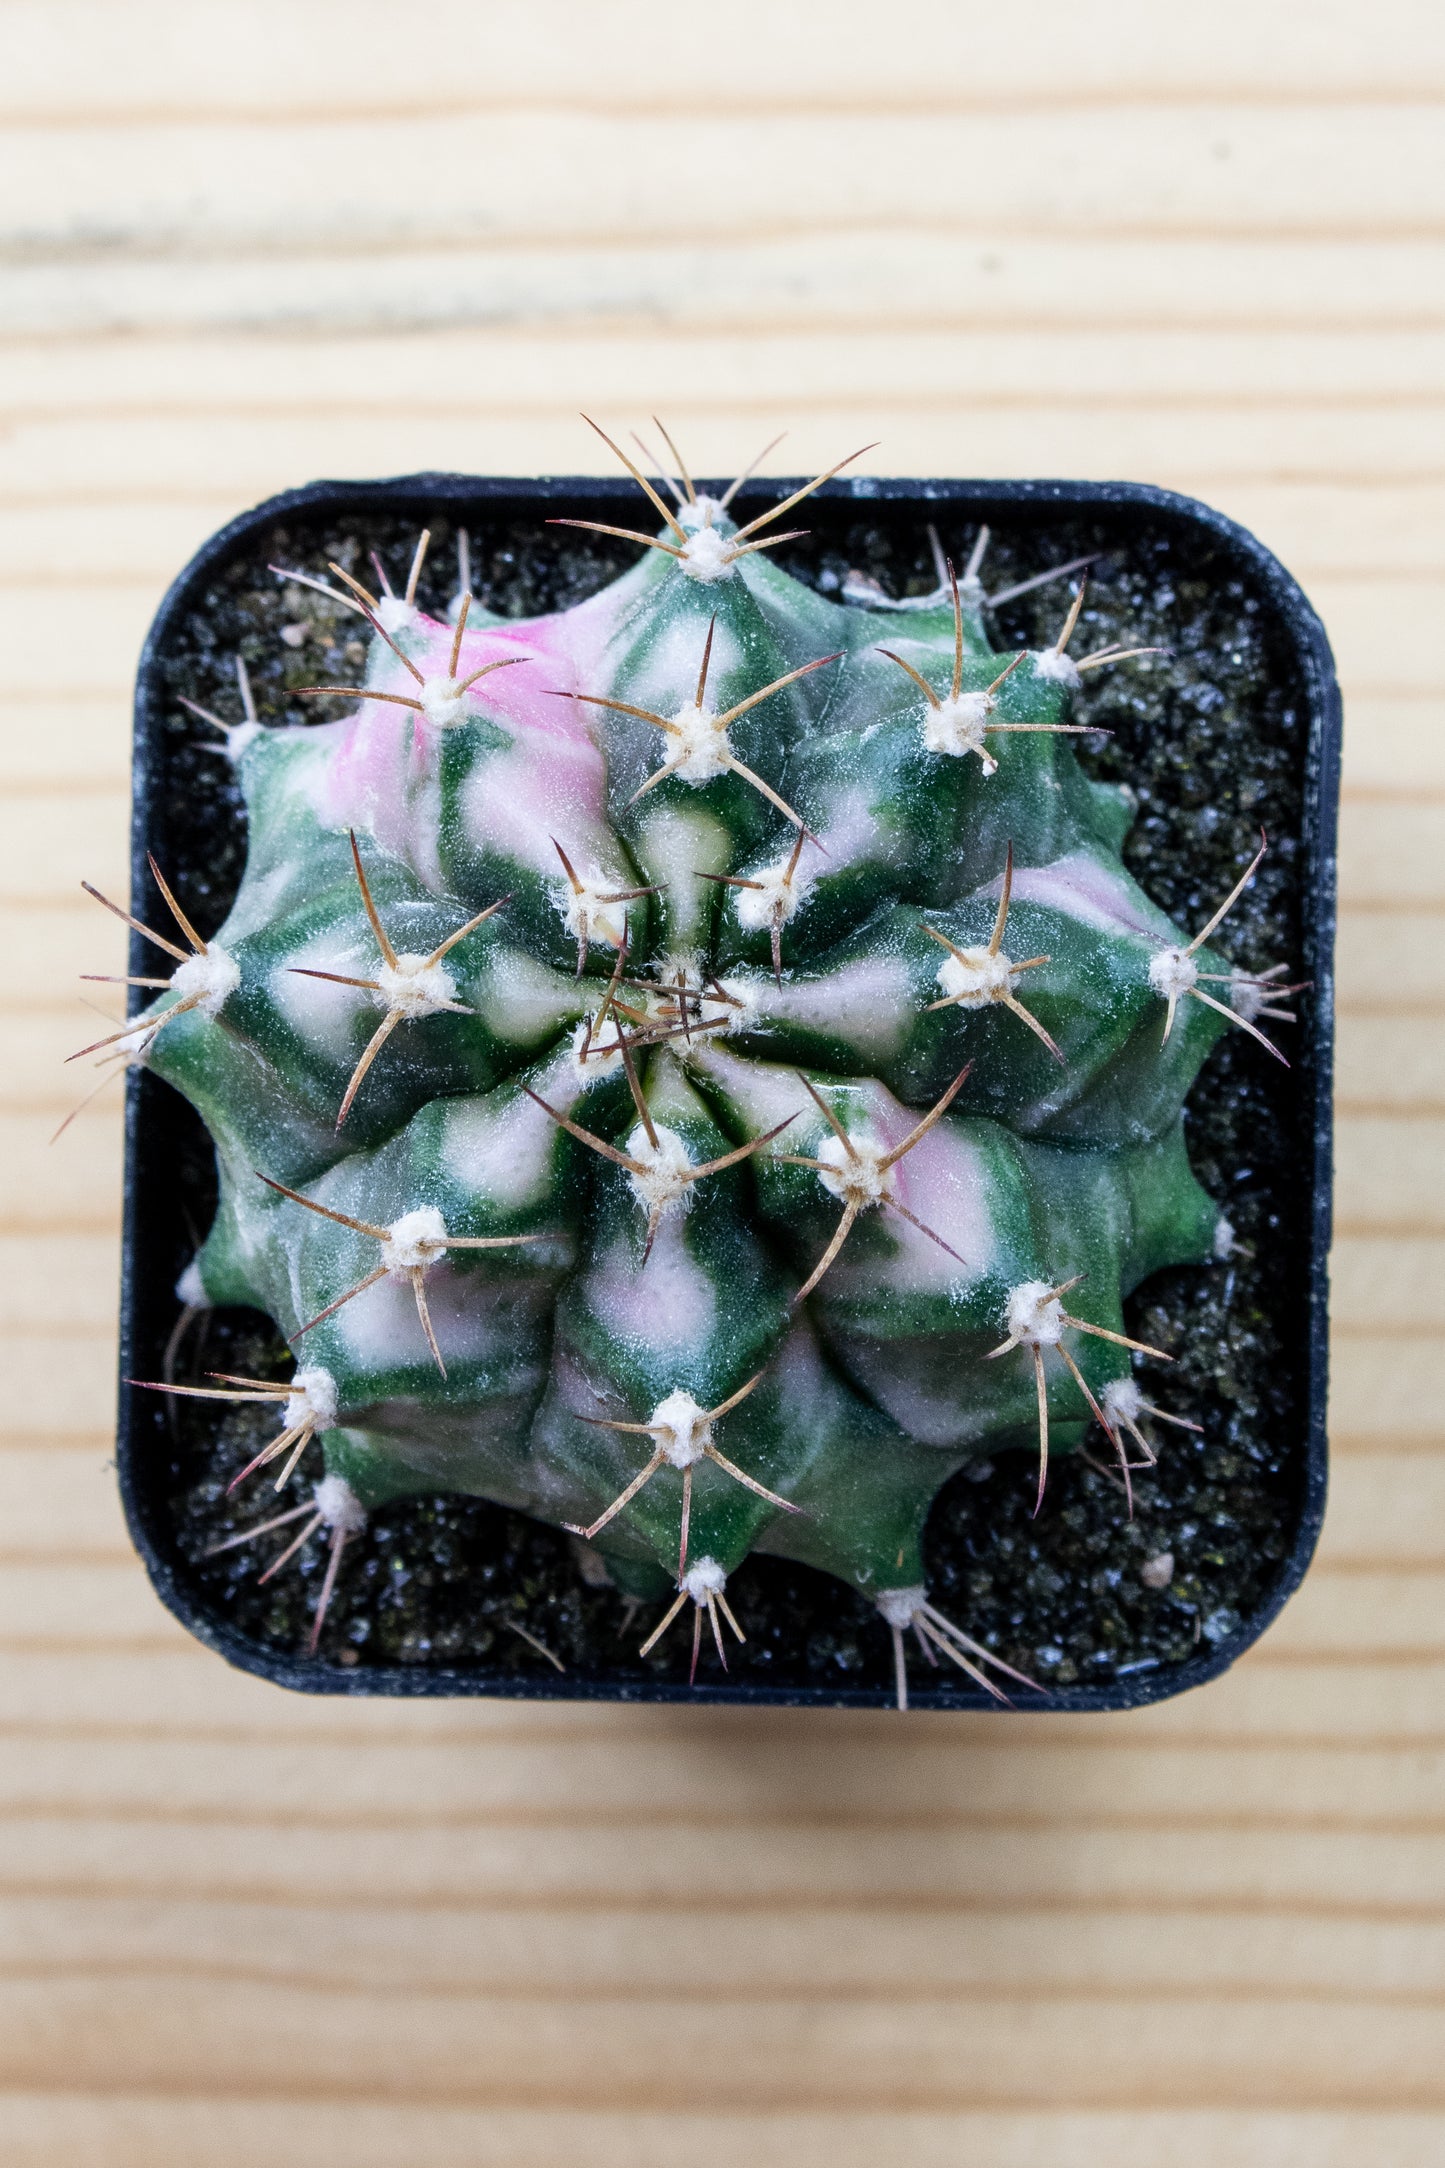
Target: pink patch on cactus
(515, 802)
(382, 776)
(578, 638)
(1083, 887)
(944, 1180)
(669, 1304)
(471, 1313)
(554, 782)
(378, 771)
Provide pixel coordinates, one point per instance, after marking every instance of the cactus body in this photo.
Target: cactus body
(656, 953)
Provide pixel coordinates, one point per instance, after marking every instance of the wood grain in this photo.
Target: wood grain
(243, 243)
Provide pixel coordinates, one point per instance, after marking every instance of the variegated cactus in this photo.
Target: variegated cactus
(694, 1068)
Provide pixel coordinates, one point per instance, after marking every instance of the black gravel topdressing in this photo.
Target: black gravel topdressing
(1211, 738)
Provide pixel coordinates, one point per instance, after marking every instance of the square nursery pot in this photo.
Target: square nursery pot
(1236, 728)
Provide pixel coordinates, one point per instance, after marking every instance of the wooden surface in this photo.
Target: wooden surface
(243, 244)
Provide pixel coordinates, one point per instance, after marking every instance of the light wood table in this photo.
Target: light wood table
(248, 243)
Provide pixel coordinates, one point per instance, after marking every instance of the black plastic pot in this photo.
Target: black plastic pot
(163, 1137)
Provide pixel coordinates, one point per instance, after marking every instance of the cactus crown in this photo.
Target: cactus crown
(692, 1067)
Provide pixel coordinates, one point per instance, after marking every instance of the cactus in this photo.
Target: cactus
(671, 1062)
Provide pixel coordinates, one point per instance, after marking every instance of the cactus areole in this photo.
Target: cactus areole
(693, 1067)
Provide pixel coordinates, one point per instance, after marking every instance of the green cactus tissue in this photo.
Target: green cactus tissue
(693, 1068)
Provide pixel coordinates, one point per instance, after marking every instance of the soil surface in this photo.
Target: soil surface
(1211, 739)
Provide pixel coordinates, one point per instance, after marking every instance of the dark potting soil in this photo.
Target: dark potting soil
(1210, 738)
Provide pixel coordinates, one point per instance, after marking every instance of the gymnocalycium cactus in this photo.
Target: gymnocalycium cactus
(693, 1068)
